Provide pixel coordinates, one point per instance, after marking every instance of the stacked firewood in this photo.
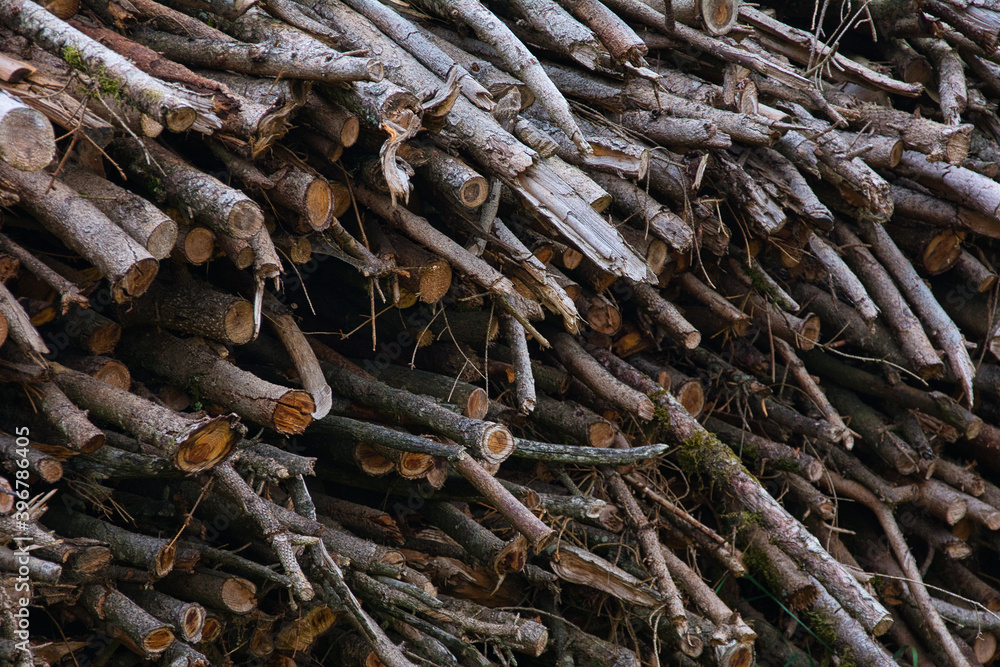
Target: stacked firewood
(530, 332)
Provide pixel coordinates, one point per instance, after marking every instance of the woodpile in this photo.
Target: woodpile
(562, 332)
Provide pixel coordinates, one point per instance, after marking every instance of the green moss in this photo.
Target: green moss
(74, 58)
(821, 627)
(155, 188)
(107, 84)
(705, 454)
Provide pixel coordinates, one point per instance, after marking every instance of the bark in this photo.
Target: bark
(119, 258)
(280, 539)
(876, 340)
(653, 552)
(131, 622)
(471, 400)
(944, 331)
(843, 278)
(170, 179)
(579, 362)
(487, 548)
(297, 346)
(17, 325)
(176, 109)
(613, 32)
(668, 316)
(191, 444)
(226, 593)
(191, 307)
(263, 60)
(151, 553)
(487, 440)
(935, 140)
(476, 131)
(48, 469)
(191, 364)
(566, 419)
(69, 421)
(896, 312)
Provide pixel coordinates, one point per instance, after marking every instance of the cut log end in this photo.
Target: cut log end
(318, 204)
(27, 141)
(477, 404)
(413, 465)
(604, 317)
(114, 373)
(162, 239)
(195, 244)
(883, 625)
(192, 622)
(92, 444)
(371, 462)
(6, 496)
(104, 338)
(512, 557)
(211, 441)
(239, 595)
(692, 396)
(158, 641)
(645, 410)
(692, 339)
(719, 16)
(474, 192)
(50, 470)
(245, 219)
(895, 154)
(942, 251)
(238, 323)
(293, 412)
(435, 279)
(341, 199)
(138, 278)
(601, 434)
(180, 120)
(657, 255)
(212, 629)
(349, 132)
(164, 561)
(808, 334)
(498, 444)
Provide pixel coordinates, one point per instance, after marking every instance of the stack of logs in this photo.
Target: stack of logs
(541, 332)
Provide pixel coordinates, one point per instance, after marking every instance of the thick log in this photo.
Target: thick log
(168, 178)
(191, 445)
(194, 308)
(192, 364)
(86, 230)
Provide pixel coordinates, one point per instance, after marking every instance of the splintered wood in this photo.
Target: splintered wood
(541, 332)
